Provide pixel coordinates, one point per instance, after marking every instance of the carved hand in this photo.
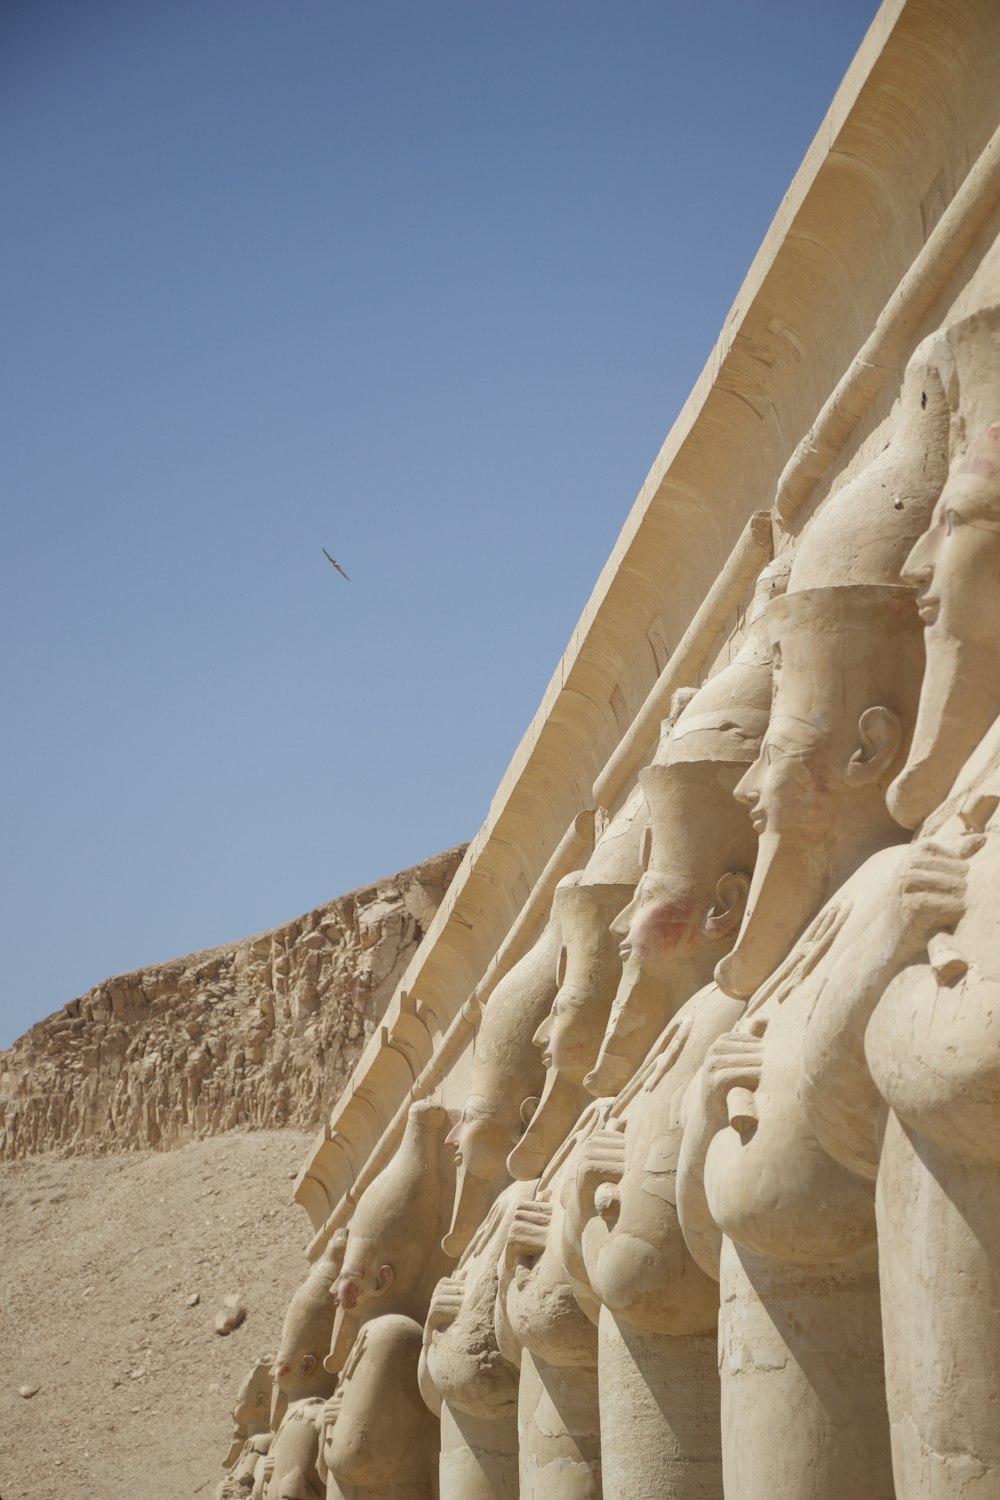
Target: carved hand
(601, 1159)
(529, 1231)
(733, 1061)
(927, 897)
(331, 1409)
(446, 1303)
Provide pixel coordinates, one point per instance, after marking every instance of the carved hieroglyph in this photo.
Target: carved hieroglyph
(790, 1231)
(925, 973)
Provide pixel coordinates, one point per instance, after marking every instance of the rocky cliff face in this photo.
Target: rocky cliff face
(261, 1033)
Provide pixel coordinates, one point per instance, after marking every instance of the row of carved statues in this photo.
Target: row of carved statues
(721, 1214)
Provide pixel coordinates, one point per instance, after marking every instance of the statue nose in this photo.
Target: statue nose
(747, 789)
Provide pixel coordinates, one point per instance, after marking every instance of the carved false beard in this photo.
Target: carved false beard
(638, 1014)
(789, 886)
(473, 1198)
(959, 700)
(560, 1105)
(345, 1331)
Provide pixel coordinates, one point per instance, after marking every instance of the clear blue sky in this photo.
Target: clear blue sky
(423, 283)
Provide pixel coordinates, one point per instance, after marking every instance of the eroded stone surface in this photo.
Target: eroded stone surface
(260, 1033)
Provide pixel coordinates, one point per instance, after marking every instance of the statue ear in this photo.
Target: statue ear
(726, 912)
(881, 735)
(384, 1278)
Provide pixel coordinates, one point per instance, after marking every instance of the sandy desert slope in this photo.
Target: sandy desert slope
(99, 1256)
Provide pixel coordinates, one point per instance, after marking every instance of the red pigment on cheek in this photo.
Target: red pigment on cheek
(661, 927)
(347, 1295)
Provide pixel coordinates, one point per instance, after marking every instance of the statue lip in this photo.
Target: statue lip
(928, 606)
(625, 950)
(758, 819)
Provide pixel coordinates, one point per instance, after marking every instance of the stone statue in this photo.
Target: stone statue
(540, 1325)
(464, 1376)
(789, 1231)
(251, 1431)
(924, 1014)
(657, 1359)
(379, 1437)
(301, 1384)
(288, 1471)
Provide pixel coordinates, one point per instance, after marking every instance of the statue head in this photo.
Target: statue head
(847, 665)
(252, 1411)
(298, 1371)
(588, 972)
(393, 1241)
(697, 858)
(955, 566)
(506, 1073)
(848, 659)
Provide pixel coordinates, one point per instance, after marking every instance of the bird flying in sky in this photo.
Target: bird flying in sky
(336, 564)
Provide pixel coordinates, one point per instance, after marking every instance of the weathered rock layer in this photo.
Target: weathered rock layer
(260, 1033)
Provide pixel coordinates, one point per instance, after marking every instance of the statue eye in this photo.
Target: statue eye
(951, 520)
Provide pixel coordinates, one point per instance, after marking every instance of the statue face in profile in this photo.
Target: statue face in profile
(847, 663)
(695, 845)
(588, 971)
(955, 565)
(362, 1280)
(481, 1138)
(657, 923)
(569, 1035)
(788, 787)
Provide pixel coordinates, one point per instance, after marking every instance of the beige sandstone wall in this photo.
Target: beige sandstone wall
(260, 1033)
